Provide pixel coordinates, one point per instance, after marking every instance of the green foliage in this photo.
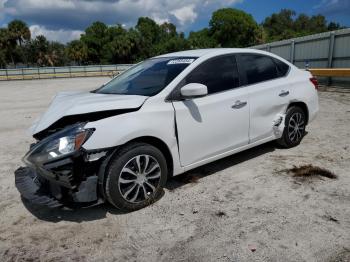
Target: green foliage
(279, 26)
(149, 34)
(172, 44)
(122, 45)
(57, 54)
(156, 39)
(233, 28)
(334, 26)
(41, 52)
(4, 47)
(105, 44)
(77, 51)
(18, 32)
(286, 24)
(95, 38)
(201, 39)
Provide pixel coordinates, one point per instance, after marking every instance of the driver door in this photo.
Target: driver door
(217, 123)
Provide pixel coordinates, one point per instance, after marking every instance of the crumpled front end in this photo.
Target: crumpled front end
(33, 188)
(60, 172)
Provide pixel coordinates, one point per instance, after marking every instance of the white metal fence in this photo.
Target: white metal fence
(61, 72)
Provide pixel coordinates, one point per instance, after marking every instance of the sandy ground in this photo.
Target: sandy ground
(219, 212)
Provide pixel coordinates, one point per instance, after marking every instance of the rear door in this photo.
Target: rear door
(218, 122)
(269, 92)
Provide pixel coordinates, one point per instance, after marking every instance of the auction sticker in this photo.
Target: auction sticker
(180, 61)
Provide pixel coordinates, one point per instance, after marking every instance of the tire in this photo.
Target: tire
(136, 176)
(294, 130)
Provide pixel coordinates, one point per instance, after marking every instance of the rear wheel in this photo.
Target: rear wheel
(294, 130)
(136, 176)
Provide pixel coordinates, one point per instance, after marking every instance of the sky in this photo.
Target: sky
(65, 20)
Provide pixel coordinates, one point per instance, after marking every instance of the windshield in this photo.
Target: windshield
(147, 78)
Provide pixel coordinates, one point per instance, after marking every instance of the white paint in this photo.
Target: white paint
(75, 103)
(194, 90)
(208, 127)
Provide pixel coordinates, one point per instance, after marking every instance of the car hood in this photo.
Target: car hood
(81, 103)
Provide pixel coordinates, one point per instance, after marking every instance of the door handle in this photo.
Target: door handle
(239, 104)
(284, 93)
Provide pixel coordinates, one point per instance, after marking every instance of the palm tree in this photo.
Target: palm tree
(77, 51)
(18, 31)
(4, 44)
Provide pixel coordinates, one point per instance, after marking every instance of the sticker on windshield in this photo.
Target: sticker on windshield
(180, 61)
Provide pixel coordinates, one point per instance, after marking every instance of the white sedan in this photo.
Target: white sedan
(160, 118)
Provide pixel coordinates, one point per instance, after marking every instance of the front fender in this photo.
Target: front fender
(157, 121)
(117, 130)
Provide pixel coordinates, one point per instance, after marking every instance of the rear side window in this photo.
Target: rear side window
(282, 67)
(218, 74)
(259, 68)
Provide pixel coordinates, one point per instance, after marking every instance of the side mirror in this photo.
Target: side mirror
(194, 90)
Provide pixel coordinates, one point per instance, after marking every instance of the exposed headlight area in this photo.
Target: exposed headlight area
(59, 169)
(61, 144)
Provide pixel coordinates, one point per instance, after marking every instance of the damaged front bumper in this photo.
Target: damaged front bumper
(59, 171)
(74, 180)
(55, 191)
(32, 189)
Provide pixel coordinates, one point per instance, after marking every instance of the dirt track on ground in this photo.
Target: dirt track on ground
(220, 212)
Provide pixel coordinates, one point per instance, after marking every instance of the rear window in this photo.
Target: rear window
(282, 67)
(259, 68)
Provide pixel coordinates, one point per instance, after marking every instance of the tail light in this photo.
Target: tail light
(314, 82)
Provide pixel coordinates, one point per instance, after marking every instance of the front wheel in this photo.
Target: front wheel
(294, 130)
(136, 176)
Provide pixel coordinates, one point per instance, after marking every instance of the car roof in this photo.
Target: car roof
(211, 52)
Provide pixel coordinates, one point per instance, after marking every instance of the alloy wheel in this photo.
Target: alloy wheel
(296, 127)
(139, 178)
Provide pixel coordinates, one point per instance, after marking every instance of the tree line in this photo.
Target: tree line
(103, 44)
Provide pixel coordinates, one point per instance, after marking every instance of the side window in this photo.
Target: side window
(218, 74)
(259, 68)
(282, 67)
